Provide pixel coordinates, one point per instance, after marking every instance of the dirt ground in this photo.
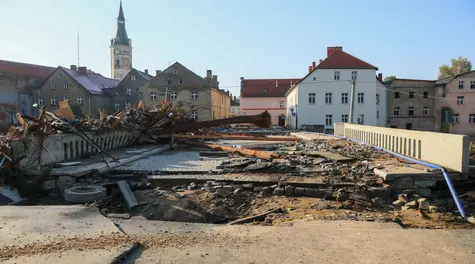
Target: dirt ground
(206, 207)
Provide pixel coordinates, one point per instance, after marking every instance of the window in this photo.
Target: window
(281, 104)
(472, 85)
(311, 98)
(411, 94)
(194, 115)
(129, 91)
(409, 126)
(460, 85)
(344, 118)
(266, 91)
(336, 75)
(360, 98)
(118, 93)
(66, 99)
(133, 78)
(377, 99)
(328, 120)
(169, 82)
(426, 94)
(396, 110)
(314, 78)
(460, 100)
(79, 100)
(180, 82)
(455, 118)
(361, 119)
(393, 126)
(377, 114)
(425, 110)
(328, 98)
(354, 75)
(117, 106)
(471, 118)
(173, 96)
(344, 98)
(153, 96)
(65, 85)
(194, 95)
(54, 101)
(410, 111)
(53, 86)
(41, 101)
(128, 104)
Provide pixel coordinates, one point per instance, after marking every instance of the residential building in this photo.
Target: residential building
(18, 82)
(127, 92)
(259, 95)
(459, 102)
(235, 106)
(323, 96)
(84, 89)
(120, 49)
(414, 104)
(197, 97)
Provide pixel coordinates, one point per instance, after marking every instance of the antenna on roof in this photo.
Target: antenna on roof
(78, 48)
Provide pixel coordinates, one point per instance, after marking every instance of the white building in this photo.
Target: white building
(323, 96)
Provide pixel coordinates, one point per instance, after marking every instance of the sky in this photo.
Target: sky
(246, 38)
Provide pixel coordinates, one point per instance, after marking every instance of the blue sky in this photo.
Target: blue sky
(248, 38)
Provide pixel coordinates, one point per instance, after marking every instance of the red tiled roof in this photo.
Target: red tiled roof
(26, 69)
(342, 60)
(266, 87)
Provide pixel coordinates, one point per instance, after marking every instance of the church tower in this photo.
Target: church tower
(120, 49)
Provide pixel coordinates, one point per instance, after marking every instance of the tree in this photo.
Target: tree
(389, 78)
(458, 66)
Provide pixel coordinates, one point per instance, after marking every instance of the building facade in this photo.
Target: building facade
(18, 83)
(197, 97)
(235, 106)
(414, 104)
(460, 102)
(259, 95)
(323, 96)
(82, 88)
(127, 93)
(120, 49)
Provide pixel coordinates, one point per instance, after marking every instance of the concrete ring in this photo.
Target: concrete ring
(84, 194)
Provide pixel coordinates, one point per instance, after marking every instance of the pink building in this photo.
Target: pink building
(460, 98)
(259, 95)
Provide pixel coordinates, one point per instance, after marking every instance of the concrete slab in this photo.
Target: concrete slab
(21, 225)
(96, 165)
(394, 172)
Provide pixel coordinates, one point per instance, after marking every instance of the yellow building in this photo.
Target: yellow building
(220, 104)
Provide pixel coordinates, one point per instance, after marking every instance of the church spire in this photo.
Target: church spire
(121, 34)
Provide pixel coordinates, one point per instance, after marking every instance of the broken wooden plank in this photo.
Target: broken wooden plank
(329, 155)
(259, 217)
(268, 155)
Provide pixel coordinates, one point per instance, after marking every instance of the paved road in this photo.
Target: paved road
(88, 237)
(304, 242)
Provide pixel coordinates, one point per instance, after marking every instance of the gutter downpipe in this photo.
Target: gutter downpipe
(447, 178)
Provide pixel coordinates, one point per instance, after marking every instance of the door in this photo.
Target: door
(282, 120)
(409, 126)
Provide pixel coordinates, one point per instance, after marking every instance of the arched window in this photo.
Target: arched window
(117, 63)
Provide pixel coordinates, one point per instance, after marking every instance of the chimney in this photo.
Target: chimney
(157, 72)
(320, 61)
(74, 67)
(82, 70)
(314, 64)
(215, 78)
(310, 68)
(209, 74)
(380, 76)
(146, 71)
(242, 78)
(330, 50)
